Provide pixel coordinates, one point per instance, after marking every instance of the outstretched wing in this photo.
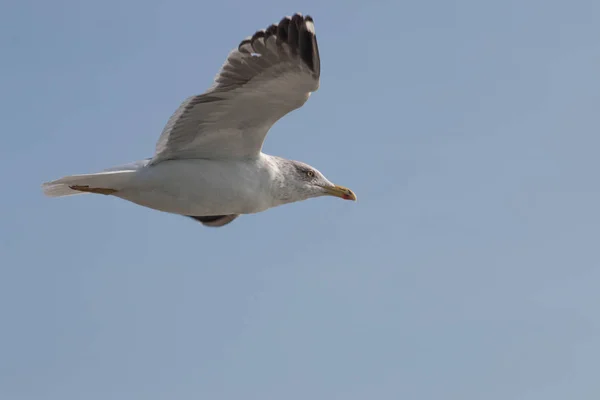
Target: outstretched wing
(269, 75)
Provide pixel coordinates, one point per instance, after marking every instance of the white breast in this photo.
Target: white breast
(203, 187)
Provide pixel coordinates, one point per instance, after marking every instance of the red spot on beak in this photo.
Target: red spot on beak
(341, 192)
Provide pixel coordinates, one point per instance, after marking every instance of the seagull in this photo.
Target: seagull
(208, 162)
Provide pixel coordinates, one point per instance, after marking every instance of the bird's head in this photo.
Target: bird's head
(308, 182)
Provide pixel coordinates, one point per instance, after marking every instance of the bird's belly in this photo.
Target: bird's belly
(198, 188)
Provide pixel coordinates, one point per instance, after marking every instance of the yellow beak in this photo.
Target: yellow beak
(340, 191)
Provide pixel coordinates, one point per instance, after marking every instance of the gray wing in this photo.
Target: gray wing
(269, 75)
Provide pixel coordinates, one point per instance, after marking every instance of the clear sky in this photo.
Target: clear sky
(468, 269)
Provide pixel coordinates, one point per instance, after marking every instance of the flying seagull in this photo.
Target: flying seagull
(208, 163)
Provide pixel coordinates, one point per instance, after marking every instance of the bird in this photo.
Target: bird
(208, 162)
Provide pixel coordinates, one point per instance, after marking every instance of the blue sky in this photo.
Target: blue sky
(468, 269)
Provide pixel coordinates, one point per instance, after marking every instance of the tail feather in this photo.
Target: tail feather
(113, 180)
(53, 189)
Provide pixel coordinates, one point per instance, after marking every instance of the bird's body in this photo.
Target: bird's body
(208, 162)
(201, 190)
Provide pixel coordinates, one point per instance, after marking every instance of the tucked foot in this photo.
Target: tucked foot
(215, 220)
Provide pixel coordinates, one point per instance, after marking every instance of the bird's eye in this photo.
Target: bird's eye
(310, 174)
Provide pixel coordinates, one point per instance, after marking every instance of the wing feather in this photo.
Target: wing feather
(267, 76)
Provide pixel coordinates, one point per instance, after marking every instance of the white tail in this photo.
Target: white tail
(115, 180)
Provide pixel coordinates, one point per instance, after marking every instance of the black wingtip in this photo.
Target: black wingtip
(259, 34)
(295, 32)
(244, 42)
(282, 29)
(271, 30)
(298, 20)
